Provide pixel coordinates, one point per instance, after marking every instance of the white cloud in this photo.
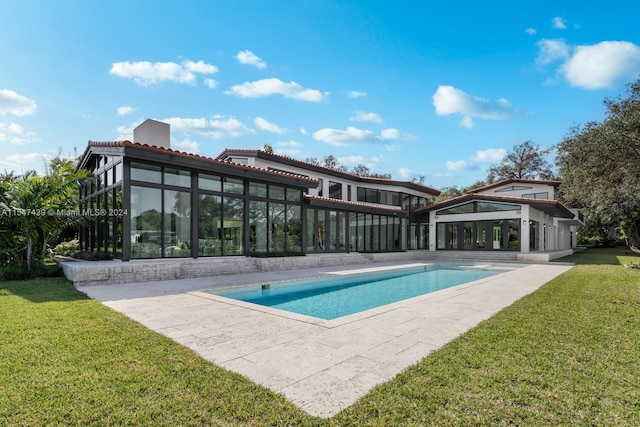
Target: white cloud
(249, 58)
(124, 110)
(273, 86)
(200, 67)
(466, 122)
(461, 165)
(211, 83)
(216, 127)
(601, 65)
(355, 136)
(405, 173)
(14, 133)
(490, 155)
(342, 138)
(559, 23)
(356, 94)
(29, 161)
(551, 50)
(288, 148)
(361, 116)
(531, 31)
(16, 104)
(186, 145)
(393, 133)
(268, 126)
(146, 73)
(449, 100)
(354, 160)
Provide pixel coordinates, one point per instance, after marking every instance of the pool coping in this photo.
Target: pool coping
(332, 323)
(321, 367)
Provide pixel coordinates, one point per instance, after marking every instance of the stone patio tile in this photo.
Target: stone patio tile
(322, 367)
(307, 367)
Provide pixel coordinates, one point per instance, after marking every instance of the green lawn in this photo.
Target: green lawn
(564, 355)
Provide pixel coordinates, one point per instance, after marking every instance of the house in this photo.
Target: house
(163, 203)
(512, 215)
(152, 201)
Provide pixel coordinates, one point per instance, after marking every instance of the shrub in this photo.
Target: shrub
(20, 272)
(89, 256)
(66, 247)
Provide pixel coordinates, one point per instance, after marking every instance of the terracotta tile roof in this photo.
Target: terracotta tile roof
(193, 156)
(312, 166)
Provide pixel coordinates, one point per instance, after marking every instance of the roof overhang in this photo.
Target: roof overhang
(324, 202)
(552, 208)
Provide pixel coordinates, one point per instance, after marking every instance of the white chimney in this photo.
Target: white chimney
(153, 132)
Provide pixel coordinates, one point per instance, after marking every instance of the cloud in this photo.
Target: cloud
(356, 94)
(490, 155)
(29, 161)
(303, 131)
(361, 116)
(551, 50)
(461, 165)
(393, 133)
(15, 104)
(601, 65)
(343, 138)
(449, 100)
(354, 160)
(147, 73)
(289, 144)
(211, 83)
(187, 145)
(249, 58)
(559, 23)
(274, 86)
(14, 134)
(216, 127)
(287, 148)
(124, 110)
(531, 31)
(268, 126)
(355, 136)
(405, 173)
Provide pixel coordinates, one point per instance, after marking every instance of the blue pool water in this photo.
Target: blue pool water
(337, 296)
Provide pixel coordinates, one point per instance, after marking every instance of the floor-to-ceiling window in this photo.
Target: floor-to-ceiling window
(275, 220)
(146, 222)
(479, 235)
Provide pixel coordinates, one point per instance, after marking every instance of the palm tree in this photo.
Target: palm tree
(35, 202)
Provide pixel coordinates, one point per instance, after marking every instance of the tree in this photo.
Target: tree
(267, 148)
(360, 170)
(332, 162)
(34, 208)
(526, 161)
(447, 193)
(600, 166)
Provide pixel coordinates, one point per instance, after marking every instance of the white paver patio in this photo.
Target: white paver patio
(321, 366)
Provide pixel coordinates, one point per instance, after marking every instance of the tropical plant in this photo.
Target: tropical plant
(37, 209)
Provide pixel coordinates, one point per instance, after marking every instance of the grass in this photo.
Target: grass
(564, 355)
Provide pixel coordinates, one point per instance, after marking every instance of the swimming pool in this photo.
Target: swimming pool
(340, 295)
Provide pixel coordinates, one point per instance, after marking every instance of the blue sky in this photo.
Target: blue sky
(410, 88)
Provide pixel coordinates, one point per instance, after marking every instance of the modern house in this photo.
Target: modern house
(155, 202)
(162, 203)
(512, 215)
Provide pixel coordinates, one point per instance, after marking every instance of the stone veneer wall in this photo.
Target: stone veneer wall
(83, 273)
